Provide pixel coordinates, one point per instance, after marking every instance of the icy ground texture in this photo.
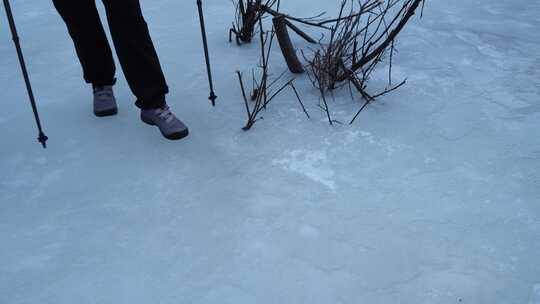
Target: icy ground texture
(433, 196)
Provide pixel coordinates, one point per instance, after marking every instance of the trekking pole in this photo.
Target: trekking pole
(42, 138)
(213, 96)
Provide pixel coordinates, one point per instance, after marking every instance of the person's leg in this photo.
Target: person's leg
(136, 52)
(86, 30)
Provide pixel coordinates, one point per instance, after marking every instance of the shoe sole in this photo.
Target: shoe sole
(173, 136)
(177, 136)
(110, 112)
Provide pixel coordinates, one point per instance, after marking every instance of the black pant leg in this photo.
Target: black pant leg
(136, 52)
(86, 30)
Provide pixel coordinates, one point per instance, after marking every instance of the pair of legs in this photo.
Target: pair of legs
(137, 57)
(132, 42)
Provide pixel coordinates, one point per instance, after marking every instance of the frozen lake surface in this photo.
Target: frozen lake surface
(432, 196)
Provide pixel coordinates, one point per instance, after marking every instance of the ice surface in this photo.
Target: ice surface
(433, 196)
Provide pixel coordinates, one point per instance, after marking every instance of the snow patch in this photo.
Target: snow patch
(311, 164)
(309, 232)
(385, 145)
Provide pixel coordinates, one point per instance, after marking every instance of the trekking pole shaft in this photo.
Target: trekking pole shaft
(213, 96)
(42, 138)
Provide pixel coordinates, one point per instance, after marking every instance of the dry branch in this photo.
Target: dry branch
(357, 41)
(287, 48)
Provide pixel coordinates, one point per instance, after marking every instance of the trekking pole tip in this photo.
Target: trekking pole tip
(213, 98)
(43, 140)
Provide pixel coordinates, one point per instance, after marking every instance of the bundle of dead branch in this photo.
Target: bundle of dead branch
(248, 13)
(353, 45)
(264, 89)
(359, 41)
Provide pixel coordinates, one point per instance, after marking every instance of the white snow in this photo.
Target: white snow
(432, 196)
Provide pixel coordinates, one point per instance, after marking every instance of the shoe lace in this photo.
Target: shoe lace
(166, 114)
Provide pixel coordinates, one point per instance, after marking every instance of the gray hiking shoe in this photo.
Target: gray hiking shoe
(104, 101)
(170, 126)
